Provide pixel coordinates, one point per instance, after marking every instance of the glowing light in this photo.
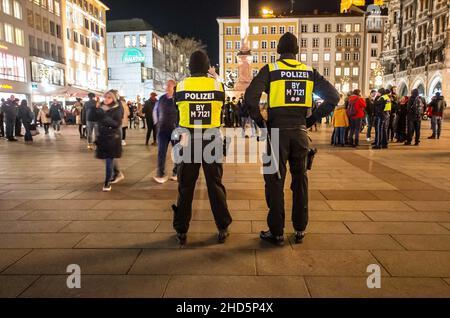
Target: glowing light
(267, 13)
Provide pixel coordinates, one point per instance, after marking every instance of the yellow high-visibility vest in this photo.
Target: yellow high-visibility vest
(388, 106)
(291, 84)
(200, 101)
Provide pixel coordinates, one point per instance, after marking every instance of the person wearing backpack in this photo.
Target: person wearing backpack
(415, 110)
(355, 113)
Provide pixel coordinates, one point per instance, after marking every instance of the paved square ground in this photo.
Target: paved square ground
(390, 208)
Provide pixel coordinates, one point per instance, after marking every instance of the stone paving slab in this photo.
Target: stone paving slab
(195, 262)
(396, 228)
(55, 261)
(348, 242)
(381, 216)
(424, 242)
(32, 226)
(40, 241)
(314, 262)
(391, 287)
(57, 205)
(66, 215)
(13, 286)
(111, 227)
(225, 287)
(99, 286)
(10, 256)
(12, 215)
(415, 263)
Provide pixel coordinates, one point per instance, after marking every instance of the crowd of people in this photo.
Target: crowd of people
(392, 119)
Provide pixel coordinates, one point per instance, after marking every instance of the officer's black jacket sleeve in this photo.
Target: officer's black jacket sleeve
(253, 94)
(325, 90)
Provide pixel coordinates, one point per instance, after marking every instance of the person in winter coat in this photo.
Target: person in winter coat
(416, 105)
(109, 116)
(91, 125)
(438, 106)
(370, 118)
(27, 117)
(355, 112)
(44, 118)
(402, 122)
(78, 111)
(166, 118)
(9, 110)
(126, 115)
(147, 111)
(2, 118)
(55, 116)
(340, 122)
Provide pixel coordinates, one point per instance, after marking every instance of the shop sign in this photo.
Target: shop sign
(133, 55)
(6, 86)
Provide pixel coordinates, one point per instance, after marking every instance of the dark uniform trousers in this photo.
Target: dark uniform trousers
(381, 129)
(187, 177)
(293, 148)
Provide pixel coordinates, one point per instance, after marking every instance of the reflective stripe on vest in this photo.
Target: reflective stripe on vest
(388, 106)
(291, 85)
(200, 101)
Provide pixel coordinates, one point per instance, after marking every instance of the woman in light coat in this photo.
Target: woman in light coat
(126, 115)
(44, 118)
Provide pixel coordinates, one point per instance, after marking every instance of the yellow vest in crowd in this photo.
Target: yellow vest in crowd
(200, 101)
(388, 106)
(291, 84)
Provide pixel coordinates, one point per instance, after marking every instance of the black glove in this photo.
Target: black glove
(310, 121)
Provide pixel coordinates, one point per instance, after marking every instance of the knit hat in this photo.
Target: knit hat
(288, 44)
(199, 63)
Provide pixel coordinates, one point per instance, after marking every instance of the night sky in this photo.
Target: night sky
(197, 18)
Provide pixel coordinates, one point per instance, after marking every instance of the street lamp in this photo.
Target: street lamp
(267, 13)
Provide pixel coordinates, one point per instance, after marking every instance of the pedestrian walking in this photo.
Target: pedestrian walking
(91, 123)
(438, 106)
(44, 118)
(55, 116)
(109, 115)
(148, 113)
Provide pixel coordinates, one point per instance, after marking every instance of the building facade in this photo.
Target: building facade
(14, 68)
(342, 47)
(416, 50)
(140, 61)
(84, 27)
(46, 49)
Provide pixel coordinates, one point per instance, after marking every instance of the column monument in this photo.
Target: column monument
(244, 55)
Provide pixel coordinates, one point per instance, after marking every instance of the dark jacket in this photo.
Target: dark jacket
(415, 108)
(90, 108)
(147, 110)
(9, 108)
(167, 113)
(370, 104)
(55, 112)
(109, 140)
(288, 117)
(25, 114)
(379, 106)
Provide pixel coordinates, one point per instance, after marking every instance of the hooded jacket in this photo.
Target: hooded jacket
(360, 104)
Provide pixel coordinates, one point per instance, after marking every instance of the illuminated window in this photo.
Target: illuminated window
(142, 40)
(303, 57)
(17, 10)
(338, 57)
(357, 27)
(255, 45)
(355, 71)
(347, 71)
(348, 28)
(9, 33)
(19, 37)
(255, 30)
(327, 57)
(315, 57)
(338, 71)
(7, 7)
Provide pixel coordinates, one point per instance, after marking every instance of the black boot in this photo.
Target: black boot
(298, 237)
(222, 236)
(269, 237)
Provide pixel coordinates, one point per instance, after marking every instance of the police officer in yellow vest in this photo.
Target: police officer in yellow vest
(383, 108)
(290, 86)
(200, 100)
